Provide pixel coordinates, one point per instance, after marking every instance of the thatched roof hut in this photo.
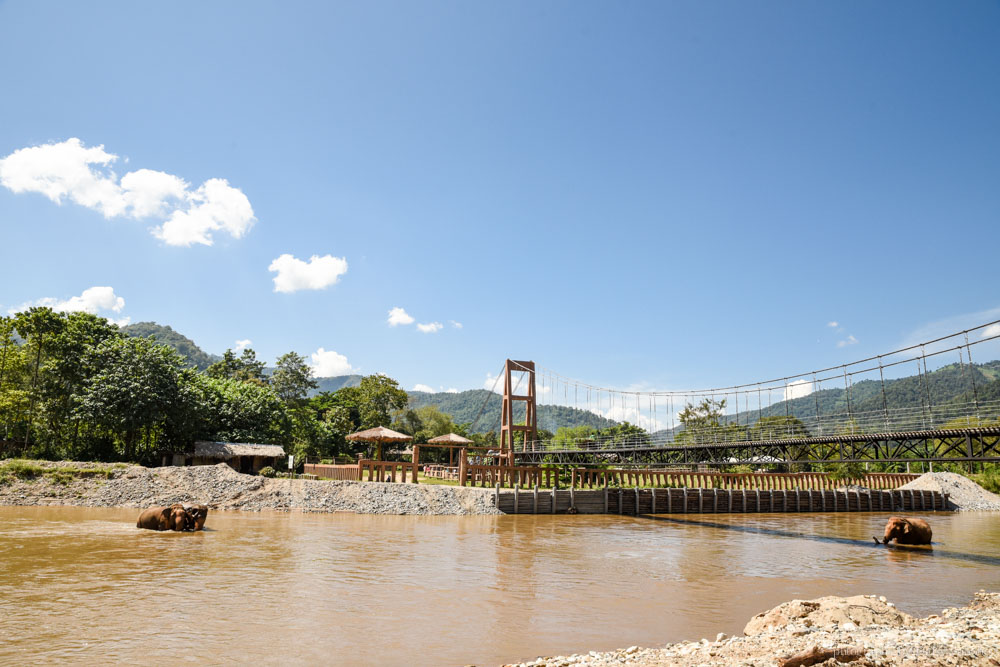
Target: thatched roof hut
(450, 439)
(379, 435)
(242, 456)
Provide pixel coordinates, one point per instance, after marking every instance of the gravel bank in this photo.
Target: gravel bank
(221, 487)
(862, 630)
(964, 495)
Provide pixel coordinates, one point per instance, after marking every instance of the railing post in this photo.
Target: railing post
(462, 467)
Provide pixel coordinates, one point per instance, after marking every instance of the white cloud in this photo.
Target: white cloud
(490, 380)
(451, 390)
(833, 325)
(69, 171)
(93, 300)
(456, 325)
(990, 331)
(327, 363)
(243, 344)
(798, 389)
(317, 273)
(214, 206)
(430, 327)
(399, 316)
(850, 340)
(424, 388)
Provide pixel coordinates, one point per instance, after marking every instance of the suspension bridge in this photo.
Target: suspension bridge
(927, 402)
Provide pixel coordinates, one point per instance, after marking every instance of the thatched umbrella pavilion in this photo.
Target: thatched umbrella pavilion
(379, 435)
(452, 441)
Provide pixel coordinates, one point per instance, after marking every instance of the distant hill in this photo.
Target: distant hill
(463, 407)
(945, 386)
(164, 335)
(335, 383)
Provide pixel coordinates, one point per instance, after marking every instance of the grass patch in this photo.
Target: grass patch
(27, 470)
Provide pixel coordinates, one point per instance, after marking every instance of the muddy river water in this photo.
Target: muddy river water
(84, 585)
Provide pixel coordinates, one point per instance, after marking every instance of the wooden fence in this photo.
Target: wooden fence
(386, 471)
(637, 501)
(347, 473)
(507, 476)
(590, 478)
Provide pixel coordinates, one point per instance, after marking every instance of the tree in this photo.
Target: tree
(244, 368)
(36, 325)
(703, 423)
(137, 393)
(570, 437)
(241, 411)
(378, 397)
(292, 379)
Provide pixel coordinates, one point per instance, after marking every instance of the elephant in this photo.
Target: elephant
(906, 531)
(164, 518)
(196, 515)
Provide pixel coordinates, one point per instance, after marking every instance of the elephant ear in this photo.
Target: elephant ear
(906, 528)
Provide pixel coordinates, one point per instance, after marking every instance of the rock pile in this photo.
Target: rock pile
(863, 630)
(964, 495)
(221, 487)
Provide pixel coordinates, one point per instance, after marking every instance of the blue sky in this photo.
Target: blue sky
(644, 194)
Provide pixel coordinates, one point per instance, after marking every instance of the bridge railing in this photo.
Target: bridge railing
(588, 478)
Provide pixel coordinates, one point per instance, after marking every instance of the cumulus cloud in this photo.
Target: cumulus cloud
(424, 388)
(295, 274)
(430, 327)
(243, 344)
(94, 300)
(833, 325)
(798, 389)
(850, 340)
(327, 363)
(451, 390)
(991, 331)
(399, 316)
(70, 171)
(456, 325)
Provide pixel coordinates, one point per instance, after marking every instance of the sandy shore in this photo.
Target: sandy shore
(221, 487)
(860, 630)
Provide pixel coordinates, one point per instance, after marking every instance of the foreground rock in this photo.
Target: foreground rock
(221, 487)
(964, 495)
(861, 630)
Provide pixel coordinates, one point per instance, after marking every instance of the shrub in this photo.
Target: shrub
(267, 471)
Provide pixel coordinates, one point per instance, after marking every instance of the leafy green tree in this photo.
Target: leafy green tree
(137, 393)
(36, 326)
(378, 397)
(570, 437)
(623, 434)
(292, 379)
(241, 411)
(244, 368)
(703, 423)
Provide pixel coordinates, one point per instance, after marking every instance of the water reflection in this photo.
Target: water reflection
(85, 585)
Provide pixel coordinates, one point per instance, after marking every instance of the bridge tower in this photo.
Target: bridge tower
(507, 425)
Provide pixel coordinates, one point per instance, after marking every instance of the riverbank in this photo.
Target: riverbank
(222, 488)
(861, 630)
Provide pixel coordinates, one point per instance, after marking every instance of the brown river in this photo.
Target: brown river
(83, 585)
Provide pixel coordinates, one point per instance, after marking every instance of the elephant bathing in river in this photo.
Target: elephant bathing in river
(176, 517)
(164, 518)
(907, 531)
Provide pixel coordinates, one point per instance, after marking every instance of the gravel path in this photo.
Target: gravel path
(867, 629)
(221, 487)
(964, 495)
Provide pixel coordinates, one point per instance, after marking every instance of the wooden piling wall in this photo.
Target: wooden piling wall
(635, 501)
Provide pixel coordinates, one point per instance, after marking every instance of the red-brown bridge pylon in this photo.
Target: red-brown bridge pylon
(507, 425)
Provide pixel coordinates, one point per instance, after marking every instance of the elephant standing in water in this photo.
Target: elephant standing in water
(906, 531)
(164, 518)
(196, 515)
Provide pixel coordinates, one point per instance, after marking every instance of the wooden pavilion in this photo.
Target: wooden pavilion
(381, 435)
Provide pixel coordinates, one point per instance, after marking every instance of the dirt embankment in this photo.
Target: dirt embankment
(864, 630)
(221, 487)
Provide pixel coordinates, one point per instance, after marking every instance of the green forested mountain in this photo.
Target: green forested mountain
(335, 383)
(164, 335)
(463, 407)
(927, 396)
